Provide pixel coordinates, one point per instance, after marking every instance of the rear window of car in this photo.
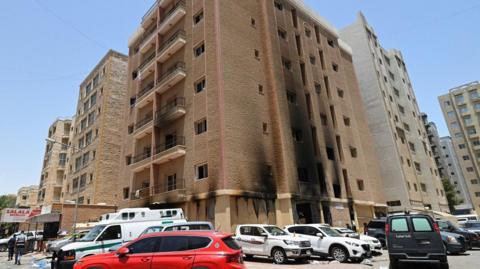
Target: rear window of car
(421, 225)
(189, 227)
(376, 225)
(183, 243)
(197, 242)
(230, 242)
(399, 225)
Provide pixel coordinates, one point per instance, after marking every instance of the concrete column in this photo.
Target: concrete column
(223, 218)
(284, 212)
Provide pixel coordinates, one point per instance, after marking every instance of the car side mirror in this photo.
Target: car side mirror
(122, 252)
(264, 235)
(320, 235)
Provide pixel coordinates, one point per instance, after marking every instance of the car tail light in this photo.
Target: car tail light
(436, 228)
(235, 258)
(387, 229)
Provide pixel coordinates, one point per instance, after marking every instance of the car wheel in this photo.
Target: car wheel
(3, 248)
(444, 265)
(357, 260)
(340, 254)
(248, 257)
(279, 256)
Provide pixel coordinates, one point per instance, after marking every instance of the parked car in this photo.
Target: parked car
(376, 228)
(31, 235)
(271, 241)
(55, 245)
(326, 242)
(454, 243)
(473, 226)
(375, 245)
(414, 238)
(180, 250)
(472, 239)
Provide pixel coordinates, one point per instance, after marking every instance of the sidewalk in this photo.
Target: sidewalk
(27, 261)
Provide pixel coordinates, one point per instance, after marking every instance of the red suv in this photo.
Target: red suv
(171, 250)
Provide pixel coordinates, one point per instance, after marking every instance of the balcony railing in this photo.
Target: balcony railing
(169, 186)
(171, 143)
(179, 66)
(148, 34)
(142, 156)
(178, 5)
(145, 90)
(168, 42)
(166, 110)
(150, 11)
(143, 122)
(147, 60)
(140, 194)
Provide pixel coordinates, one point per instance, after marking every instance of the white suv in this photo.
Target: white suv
(327, 242)
(271, 241)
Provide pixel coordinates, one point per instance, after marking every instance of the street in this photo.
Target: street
(465, 261)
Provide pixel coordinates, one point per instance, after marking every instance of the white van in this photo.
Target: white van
(116, 229)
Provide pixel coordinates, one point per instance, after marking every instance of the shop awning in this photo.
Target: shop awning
(45, 218)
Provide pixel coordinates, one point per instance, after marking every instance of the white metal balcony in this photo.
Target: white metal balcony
(172, 17)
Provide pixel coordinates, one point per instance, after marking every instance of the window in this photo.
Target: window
(88, 138)
(201, 171)
(417, 167)
(313, 60)
(473, 94)
(360, 185)
(297, 135)
(423, 187)
(322, 59)
(399, 225)
(463, 109)
(287, 64)
(466, 157)
(353, 152)
(401, 109)
(147, 245)
(474, 181)
(282, 33)
(199, 50)
(331, 43)
(462, 146)
(172, 182)
(346, 121)
(111, 233)
(303, 174)
(260, 89)
(308, 32)
(335, 67)
(278, 5)
(330, 153)
(340, 93)
(83, 124)
(86, 157)
(318, 88)
(257, 54)
(198, 18)
(253, 22)
(412, 146)
(324, 119)
(200, 86)
(291, 97)
(91, 118)
(201, 126)
(459, 99)
(396, 92)
(93, 99)
(469, 169)
(421, 225)
(265, 128)
(446, 103)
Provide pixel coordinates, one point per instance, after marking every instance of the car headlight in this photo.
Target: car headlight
(352, 244)
(451, 239)
(375, 241)
(291, 242)
(68, 255)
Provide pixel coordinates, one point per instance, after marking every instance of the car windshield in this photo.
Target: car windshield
(273, 230)
(330, 232)
(345, 231)
(154, 229)
(90, 236)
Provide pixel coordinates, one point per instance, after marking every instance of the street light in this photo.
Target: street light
(75, 212)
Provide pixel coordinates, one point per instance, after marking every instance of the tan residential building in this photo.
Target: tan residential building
(94, 158)
(27, 196)
(460, 108)
(246, 111)
(54, 162)
(408, 169)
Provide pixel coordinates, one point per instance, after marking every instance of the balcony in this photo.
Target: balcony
(171, 77)
(147, 64)
(171, 150)
(142, 127)
(141, 161)
(150, 15)
(144, 97)
(140, 194)
(169, 192)
(170, 111)
(476, 147)
(148, 39)
(172, 17)
(171, 46)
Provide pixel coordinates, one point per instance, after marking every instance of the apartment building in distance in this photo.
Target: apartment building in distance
(247, 112)
(407, 165)
(460, 108)
(54, 163)
(94, 157)
(27, 196)
(448, 165)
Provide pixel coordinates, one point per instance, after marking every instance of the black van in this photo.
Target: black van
(414, 238)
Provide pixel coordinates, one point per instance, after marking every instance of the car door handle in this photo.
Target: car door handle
(145, 259)
(186, 258)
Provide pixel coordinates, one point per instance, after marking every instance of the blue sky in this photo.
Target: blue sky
(48, 46)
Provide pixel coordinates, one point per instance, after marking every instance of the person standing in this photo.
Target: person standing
(11, 246)
(20, 247)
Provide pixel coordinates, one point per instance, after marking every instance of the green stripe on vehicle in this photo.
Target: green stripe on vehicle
(98, 246)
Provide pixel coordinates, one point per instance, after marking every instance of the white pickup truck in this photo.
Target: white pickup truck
(327, 242)
(271, 241)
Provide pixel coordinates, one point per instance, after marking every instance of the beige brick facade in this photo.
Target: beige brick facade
(54, 163)
(94, 157)
(27, 196)
(246, 111)
(408, 169)
(460, 108)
